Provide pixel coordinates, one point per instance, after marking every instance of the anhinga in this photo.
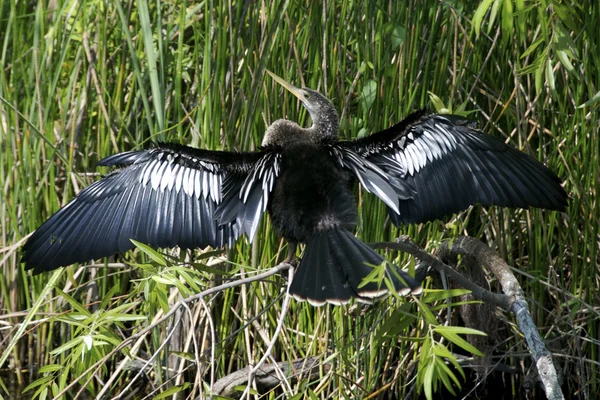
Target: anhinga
(423, 168)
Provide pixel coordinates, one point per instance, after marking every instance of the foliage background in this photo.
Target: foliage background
(82, 80)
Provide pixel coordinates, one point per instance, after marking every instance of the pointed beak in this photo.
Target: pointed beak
(292, 89)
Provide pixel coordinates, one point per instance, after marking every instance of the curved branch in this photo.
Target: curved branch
(267, 378)
(513, 300)
(404, 244)
(485, 256)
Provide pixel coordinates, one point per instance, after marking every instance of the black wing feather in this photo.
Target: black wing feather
(439, 165)
(166, 196)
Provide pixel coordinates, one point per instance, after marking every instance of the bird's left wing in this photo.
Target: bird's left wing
(166, 196)
(438, 165)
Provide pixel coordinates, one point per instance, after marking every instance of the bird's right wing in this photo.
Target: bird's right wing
(440, 164)
(166, 196)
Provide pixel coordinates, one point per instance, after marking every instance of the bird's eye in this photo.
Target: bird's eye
(306, 95)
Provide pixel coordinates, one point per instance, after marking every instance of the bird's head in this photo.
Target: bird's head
(322, 112)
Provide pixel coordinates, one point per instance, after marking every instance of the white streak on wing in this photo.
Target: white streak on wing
(178, 172)
(156, 176)
(391, 202)
(205, 184)
(446, 136)
(215, 188)
(413, 150)
(187, 182)
(426, 156)
(197, 184)
(219, 192)
(403, 160)
(148, 172)
(167, 178)
(419, 153)
(432, 146)
(402, 142)
(256, 219)
(409, 159)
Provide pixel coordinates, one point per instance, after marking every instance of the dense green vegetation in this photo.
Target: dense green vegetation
(82, 80)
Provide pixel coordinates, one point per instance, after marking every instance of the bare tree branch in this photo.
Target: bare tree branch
(513, 300)
(266, 376)
(485, 256)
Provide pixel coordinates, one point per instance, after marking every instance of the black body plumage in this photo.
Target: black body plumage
(423, 168)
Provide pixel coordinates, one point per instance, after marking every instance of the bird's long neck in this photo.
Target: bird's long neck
(325, 125)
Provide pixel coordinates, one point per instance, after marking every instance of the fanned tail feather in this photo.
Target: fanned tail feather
(335, 264)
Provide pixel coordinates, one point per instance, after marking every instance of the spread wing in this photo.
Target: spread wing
(166, 196)
(438, 165)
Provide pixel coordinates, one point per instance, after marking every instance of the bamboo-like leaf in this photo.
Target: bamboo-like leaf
(550, 75)
(433, 295)
(150, 252)
(444, 373)
(493, 14)
(50, 368)
(459, 330)
(172, 390)
(521, 18)
(507, 20)
(441, 350)
(595, 98)
(479, 14)
(460, 342)
(38, 382)
(429, 380)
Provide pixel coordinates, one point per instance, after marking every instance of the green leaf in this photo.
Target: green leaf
(165, 280)
(150, 252)
(184, 355)
(459, 330)
(479, 14)
(550, 75)
(531, 48)
(368, 95)
(428, 381)
(50, 368)
(591, 101)
(454, 304)
(362, 133)
(74, 303)
(441, 350)
(493, 14)
(108, 297)
(211, 270)
(426, 313)
(242, 388)
(507, 20)
(438, 104)
(398, 36)
(444, 373)
(539, 74)
(460, 342)
(38, 382)
(564, 60)
(432, 295)
(521, 18)
(76, 341)
(172, 390)
(400, 319)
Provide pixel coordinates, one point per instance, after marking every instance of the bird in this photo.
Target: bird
(426, 167)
